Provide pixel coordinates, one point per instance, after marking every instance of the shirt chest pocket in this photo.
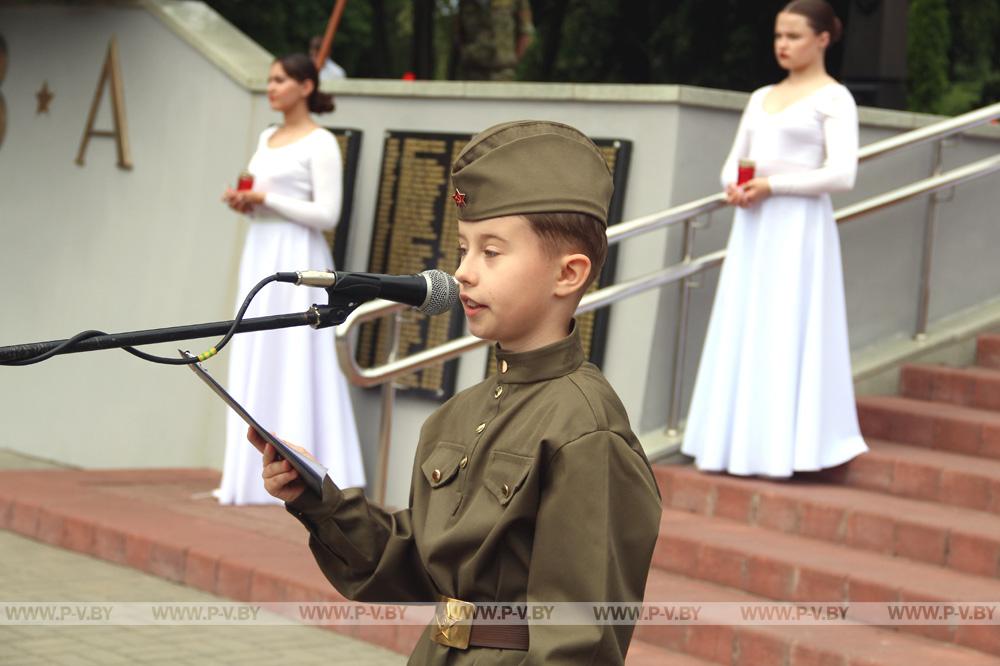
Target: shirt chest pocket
(442, 464)
(505, 475)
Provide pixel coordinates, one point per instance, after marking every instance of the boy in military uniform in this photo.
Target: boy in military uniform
(529, 487)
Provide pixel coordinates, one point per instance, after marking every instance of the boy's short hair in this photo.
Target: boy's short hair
(563, 233)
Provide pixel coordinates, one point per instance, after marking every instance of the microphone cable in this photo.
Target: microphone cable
(153, 358)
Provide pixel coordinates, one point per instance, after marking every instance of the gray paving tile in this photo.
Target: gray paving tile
(45, 573)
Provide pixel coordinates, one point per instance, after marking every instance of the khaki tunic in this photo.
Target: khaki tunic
(528, 487)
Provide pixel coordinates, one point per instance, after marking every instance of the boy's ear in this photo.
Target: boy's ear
(574, 269)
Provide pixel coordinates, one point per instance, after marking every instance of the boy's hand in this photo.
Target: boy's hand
(280, 478)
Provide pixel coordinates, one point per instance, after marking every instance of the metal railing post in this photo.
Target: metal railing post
(924, 294)
(680, 337)
(385, 417)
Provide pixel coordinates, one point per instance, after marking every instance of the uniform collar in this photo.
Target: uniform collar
(554, 360)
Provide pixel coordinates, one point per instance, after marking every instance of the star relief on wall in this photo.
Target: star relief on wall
(44, 96)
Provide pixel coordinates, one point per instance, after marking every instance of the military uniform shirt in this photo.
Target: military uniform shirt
(528, 487)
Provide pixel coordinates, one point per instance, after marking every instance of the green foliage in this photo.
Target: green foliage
(974, 55)
(280, 27)
(953, 56)
(372, 39)
(927, 42)
(953, 46)
(715, 43)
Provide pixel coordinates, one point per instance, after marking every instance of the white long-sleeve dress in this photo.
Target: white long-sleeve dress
(289, 379)
(774, 393)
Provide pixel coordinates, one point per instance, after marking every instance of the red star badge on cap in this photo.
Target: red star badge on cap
(459, 198)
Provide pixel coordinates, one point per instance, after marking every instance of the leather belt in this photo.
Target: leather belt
(456, 626)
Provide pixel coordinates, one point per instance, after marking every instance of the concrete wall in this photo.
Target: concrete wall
(96, 246)
(154, 247)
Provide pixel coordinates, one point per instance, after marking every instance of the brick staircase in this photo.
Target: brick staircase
(915, 519)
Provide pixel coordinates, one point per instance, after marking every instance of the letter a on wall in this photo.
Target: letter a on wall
(110, 73)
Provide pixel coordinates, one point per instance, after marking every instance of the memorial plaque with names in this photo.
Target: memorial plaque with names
(416, 229)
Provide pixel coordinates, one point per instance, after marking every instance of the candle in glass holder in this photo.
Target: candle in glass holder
(745, 171)
(245, 181)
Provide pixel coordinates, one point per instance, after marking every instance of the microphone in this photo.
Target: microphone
(432, 292)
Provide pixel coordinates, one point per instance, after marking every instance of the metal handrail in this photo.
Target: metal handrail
(686, 211)
(367, 377)
(680, 272)
(932, 132)
(930, 185)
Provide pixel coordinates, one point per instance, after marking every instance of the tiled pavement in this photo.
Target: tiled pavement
(34, 571)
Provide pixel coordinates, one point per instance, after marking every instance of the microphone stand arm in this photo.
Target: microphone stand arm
(341, 304)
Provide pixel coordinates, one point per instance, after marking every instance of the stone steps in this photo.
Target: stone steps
(956, 538)
(641, 653)
(988, 351)
(788, 567)
(925, 474)
(764, 645)
(933, 425)
(974, 387)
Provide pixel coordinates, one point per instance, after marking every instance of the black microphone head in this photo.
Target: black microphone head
(442, 292)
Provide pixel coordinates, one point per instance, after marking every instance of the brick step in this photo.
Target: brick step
(924, 474)
(932, 425)
(792, 568)
(641, 653)
(970, 387)
(960, 539)
(762, 645)
(988, 350)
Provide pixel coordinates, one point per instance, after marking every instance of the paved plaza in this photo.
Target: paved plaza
(34, 571)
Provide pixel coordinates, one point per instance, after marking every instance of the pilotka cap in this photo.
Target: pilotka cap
(531, 166)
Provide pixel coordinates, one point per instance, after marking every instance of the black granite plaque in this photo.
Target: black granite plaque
(349, 141)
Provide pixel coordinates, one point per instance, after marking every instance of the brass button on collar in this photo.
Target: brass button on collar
(503, 367)
(481, 427)
(463, 462)
(436, 475)
(505, 490)
(498, 392)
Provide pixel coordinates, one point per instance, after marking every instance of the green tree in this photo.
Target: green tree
(713, 43)
(974, 56)
(927, 42)
(372, 41)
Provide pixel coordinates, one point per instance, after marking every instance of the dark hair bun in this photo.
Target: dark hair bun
(837, 31)
(321, 102)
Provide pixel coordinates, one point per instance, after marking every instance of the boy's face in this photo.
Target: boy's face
(508, 284)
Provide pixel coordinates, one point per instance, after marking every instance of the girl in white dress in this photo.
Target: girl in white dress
(774, 393)
(289, 379)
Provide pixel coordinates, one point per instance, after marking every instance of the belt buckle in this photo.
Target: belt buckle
(453, 620)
